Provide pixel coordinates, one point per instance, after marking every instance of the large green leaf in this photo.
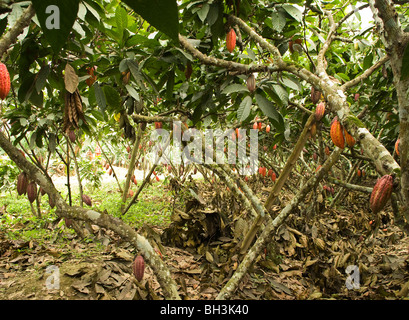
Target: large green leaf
(267, 107)
(56, 18)
(162, 14)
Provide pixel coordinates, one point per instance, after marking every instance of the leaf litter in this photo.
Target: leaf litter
(307, 258)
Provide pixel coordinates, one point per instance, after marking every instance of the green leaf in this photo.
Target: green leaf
(235, 87)
(244, 109)
(42, 77)
(405, 64)
(278, 21)
(121, 18)
(202, 13)
(162, 14)
(267, 108)
(100, 97)
(282, 93)
(113, 98)
(293, 11)
(56, 19)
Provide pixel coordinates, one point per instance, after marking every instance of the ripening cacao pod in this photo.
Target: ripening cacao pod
(231, 40)
(4, 81)
(327, 151)
(381, 193)
(337, 133)
(255, 126)
(319, 111)
(32, 191)
(313, 130)
(273, 177)
(315, 95)
(22, 182)
(251, 83)
(270, 172)
(349, 139)
(71, 136)
(397, 146)
(110, 171)
(138, 268)
(87, 200)
(262, 171)
(268, 128)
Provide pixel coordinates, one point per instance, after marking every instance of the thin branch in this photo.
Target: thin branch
(11, 36)
(365, 74)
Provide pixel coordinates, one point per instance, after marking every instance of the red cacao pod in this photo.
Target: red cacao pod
(319, 111)
(268, 128)
(381, 193)
(138, 268)
(22, 182)
(87, 200)
(32, 191)
(273, 177)
(251, 83)
(349, 139)
(255, 126)
(231, 40)
(337, 133)
(270, 172)
(4, 81)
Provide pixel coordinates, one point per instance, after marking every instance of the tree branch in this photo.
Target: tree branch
(11, 36)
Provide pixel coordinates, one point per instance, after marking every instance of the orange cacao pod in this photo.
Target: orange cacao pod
(138, 268)
(319, 111)
(4, 81)
(32, 191)
(349, 139)
(337, 133)
(273, 177)
(22, 182)
(251, 83)
(397, 146)
(231, 40)
(381, 193)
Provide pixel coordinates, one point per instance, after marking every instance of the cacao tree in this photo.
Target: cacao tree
(115, 70)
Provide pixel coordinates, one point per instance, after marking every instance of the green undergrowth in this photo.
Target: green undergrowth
(18, 222)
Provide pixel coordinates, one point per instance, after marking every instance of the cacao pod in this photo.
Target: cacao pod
(231, 40)
(319, 111)
(349, 139)
(397, 146)
(381, 193)
(4, 81)
(327, 151)
(188, 70)
(87, 200)
(270, 172)
(315, 95)
(255, 126)
(356, 96)
(337, 133)
(262, 171)
(32, 191)
(273, 177)
(268, 128)
(71, 136)
(313, 130)
(251, 83)
(138, 268)
(22, 182)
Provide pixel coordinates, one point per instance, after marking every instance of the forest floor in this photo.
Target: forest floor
(310, 256)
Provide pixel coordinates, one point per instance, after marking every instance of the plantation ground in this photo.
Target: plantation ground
(307, 260)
